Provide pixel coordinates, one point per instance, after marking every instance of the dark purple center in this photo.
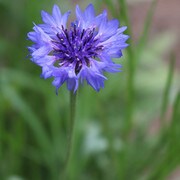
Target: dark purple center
(77, 47)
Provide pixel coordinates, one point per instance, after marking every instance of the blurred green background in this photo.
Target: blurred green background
(130, 130)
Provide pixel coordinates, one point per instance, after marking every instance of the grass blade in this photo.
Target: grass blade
(148, 21)
(29, 116)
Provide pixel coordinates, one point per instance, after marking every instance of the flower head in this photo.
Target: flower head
(79, 53)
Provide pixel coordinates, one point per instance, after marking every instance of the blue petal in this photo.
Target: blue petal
(46, 72)
(42, 51)
(114, 52)
(65, 18)
(32, 36)
(107, 29)
(47, 18)
(115, 44)
(93, 78)
(122, 29)
(110, 66)
(58, 81)
(56, 13)
(41, 35)
(98, 19)
(79, 13)
(89, 12)
(72, 84)
(46, 60)
(31, 49)
(87, 18)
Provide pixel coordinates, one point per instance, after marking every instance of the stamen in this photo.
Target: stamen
(76, 46)
(82, 34)
(78, 67)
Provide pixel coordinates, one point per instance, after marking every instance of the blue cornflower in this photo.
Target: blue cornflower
(79, 53)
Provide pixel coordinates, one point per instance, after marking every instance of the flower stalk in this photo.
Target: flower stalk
(71, 131)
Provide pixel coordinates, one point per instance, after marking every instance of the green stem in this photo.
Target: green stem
(70, 133)
(166, 92)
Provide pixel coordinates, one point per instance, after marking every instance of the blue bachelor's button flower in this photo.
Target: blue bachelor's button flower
(79, 53)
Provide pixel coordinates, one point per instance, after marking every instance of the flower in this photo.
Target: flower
(82, 52)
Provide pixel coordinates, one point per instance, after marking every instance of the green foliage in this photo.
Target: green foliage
(114, 131)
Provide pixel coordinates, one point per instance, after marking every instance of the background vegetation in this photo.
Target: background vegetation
(128, 131)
